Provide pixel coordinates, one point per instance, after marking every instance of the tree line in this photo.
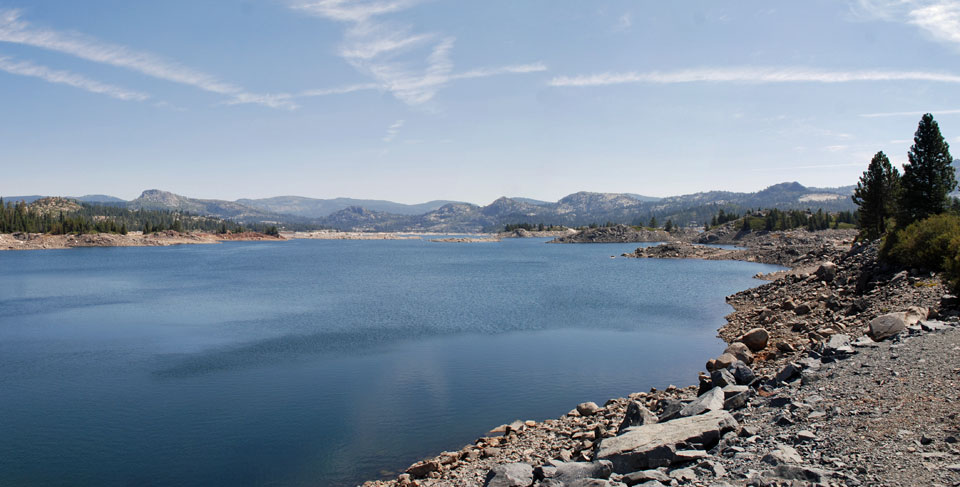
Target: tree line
(913, 212)
(91, 218)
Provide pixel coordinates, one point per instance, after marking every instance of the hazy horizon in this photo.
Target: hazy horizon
(419, 100)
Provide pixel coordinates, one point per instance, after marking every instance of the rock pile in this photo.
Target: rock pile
(614, 234)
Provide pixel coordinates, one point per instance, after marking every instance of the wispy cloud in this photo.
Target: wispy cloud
(26, 68)
(342, 90)
(913, 113)
(14, 29)
(393, 130)
(835, 148)
(624, 22)
(750, 75)
(413, 67)
(939, 19)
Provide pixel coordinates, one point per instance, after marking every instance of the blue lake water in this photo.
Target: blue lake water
(325, 362)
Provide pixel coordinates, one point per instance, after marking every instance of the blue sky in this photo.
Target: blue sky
(414, 100)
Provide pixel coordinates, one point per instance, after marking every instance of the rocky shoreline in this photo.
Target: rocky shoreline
(841, 371)
(37, 241)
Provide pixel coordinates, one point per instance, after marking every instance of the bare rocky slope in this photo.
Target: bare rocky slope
(841, 372)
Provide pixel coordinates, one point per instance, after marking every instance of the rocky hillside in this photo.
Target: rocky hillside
(53, 206)
(320, 208)
(614, 234)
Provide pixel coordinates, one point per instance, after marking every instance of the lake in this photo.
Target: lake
(315, 362)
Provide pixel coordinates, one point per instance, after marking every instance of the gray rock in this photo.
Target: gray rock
(655, 445)
(742, 374)
(949, 301)
(915, 314)
(756, 339)
(684, 475)
(738, 401)
(788, 373)
(827, 271)
(740, 352)
(802, 473)
(670, 409)
(636, 415)
(711, 400)
(933, 325)
(587, 408)
(593, 483)
(712, 467)
(804, 436)
(809, 363)
(864, 342)
(732, 390)
(644, 476)
(803, 309)
(690, 455)
(782, 455)
(568, 472)
(722, 378)
(725, 360)
(838, 344)
(420, 470)
(510, 475)
(886, 326)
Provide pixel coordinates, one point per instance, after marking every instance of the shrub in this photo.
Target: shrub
(931, 244)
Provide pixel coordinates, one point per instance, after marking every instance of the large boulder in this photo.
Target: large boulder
(886, 326)
(755, 339)
(656, 445)
(510, 475)
(588, 408)
(827, 271)
(740, 351)
(636, 415)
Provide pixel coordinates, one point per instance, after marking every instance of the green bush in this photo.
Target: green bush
(931, 244)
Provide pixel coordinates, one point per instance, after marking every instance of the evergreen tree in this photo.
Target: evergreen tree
(876, 196)
(653, 222)
(929, 177)
(668, 226)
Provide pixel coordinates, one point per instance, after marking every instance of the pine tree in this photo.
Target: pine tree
(876, 195)
(653, 222)
(929, 177)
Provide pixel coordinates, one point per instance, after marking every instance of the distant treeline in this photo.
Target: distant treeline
(530, 227)
(91, 218)
(775, 219)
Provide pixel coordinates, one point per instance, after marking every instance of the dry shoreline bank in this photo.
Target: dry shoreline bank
(37, 241)
(766, 418)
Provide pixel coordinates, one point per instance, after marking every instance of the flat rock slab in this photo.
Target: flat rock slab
(656, 445)
(510, 475)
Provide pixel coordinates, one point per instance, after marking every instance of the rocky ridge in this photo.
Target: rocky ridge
(802, 396)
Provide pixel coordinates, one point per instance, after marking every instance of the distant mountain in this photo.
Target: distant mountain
(640, 197)
(583, 208)
(531, 201)
(90, 198)
(318, 208)
(98, 198)
(155, 199)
